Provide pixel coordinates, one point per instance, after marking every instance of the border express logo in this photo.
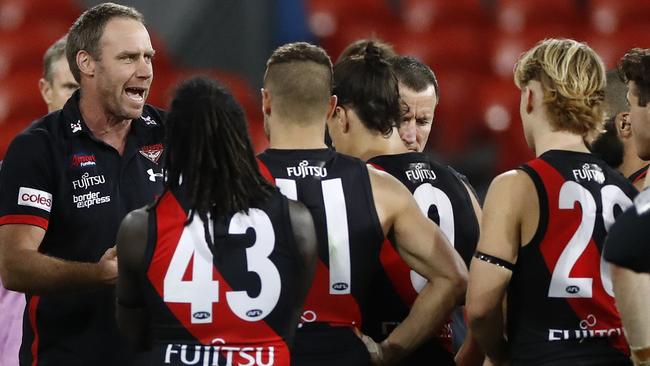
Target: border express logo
(152, 152)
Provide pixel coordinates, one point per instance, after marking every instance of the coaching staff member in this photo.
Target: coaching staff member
(67, 182)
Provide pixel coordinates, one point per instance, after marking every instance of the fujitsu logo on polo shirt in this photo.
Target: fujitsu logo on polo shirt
(35, 198)
(82, 160)
(87, 181)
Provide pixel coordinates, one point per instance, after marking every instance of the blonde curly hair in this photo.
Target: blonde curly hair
(573, 80)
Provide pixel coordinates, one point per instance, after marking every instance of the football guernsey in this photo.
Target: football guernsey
(232, 300)
(561, 307)
(443, 197)
(336, 189)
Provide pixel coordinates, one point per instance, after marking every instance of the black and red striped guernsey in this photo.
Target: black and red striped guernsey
(561, 307)
(443, 197)
(233, 307)
(336, 189)
(639, 175)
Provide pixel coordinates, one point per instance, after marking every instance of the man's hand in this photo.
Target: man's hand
(381, 354)
(108, 266)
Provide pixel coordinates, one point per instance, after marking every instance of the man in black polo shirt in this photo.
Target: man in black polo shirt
(627, 247)
(66, 183)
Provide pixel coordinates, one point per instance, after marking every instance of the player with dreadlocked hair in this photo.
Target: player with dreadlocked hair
(215, 158)
(251, 252)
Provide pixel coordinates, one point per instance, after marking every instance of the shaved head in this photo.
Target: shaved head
(615, 95)
(299, 79)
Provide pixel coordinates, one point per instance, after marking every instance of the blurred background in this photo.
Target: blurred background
(471, 45)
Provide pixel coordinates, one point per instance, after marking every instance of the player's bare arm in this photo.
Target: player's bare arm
(470, 352)
(23, 268)
(424, 248)
(132, 318)
(632, 291)
(307, 244)
(501, 235)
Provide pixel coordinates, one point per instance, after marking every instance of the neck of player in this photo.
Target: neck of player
(296, 135)
(631, 161)
(373, 143)
(559, 140)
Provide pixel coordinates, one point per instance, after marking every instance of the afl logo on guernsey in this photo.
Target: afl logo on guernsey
(572, 289)
(418, 172)
(254, 313)
(589, 172)
(340, 286)
(201, 315)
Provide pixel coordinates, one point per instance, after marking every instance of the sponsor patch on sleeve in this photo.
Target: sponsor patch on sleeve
(35, 198)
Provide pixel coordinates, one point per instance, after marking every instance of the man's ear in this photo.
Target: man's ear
(46, 90)
(266, 102)
(331, 106)
(530, 99)
(85, 63)
(623, 125)
(342, 119)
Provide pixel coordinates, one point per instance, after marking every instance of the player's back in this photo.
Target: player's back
(561, 307)
(443, 197)
(234, 307)
(336, 189)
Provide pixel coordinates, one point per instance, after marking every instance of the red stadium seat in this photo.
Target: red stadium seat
(327, 16)
(23, 48)
(455, 122)
(18, 13)
(506, 48)
(607, 16)
(448, 47)
(20, 104)
(611, 47)
(499, 106)
(515, 16)
(422, 15)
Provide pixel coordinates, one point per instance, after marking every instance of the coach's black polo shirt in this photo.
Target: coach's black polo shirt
(59, 177)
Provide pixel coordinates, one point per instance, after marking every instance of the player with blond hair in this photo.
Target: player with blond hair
(544, 225)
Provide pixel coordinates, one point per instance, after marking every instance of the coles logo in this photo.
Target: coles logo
(82, 160)
(152, 152)
(35, 198)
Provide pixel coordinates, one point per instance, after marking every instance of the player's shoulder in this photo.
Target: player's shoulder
(642, 203)
(514, 181)
(384, 183)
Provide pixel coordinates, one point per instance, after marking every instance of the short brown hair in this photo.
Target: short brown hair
(573, 80)
(88, 29)
(299, 76)
(635, 66)
(52, 55)
(358, 48)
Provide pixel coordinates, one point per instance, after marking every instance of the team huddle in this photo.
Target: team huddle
(148, 237)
